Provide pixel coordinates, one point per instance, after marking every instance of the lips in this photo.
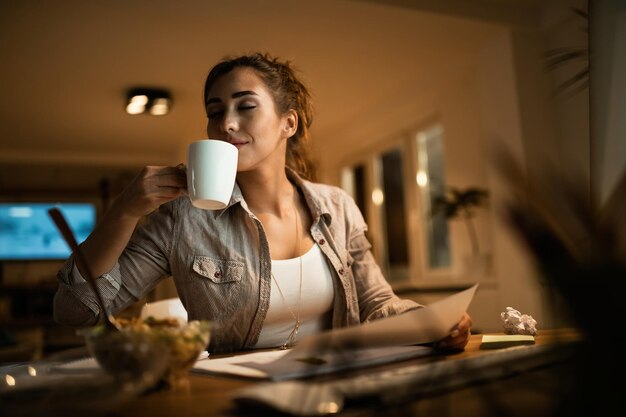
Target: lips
(237, 142)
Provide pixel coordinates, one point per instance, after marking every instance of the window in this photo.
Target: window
(353, 182)
(389, 195)
(431, 184)
(395, 188)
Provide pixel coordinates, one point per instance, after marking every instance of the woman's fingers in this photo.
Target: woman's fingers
(454, 343)
(153, 186)
(464, 324)
(459, 336)
(171, 175)
(166, 181)
(459, 340)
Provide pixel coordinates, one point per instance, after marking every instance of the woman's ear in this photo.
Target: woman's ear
(291, 123)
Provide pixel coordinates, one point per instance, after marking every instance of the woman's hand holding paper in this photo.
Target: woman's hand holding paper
(458, 337)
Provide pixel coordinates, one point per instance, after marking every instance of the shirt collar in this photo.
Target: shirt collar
(316, 205)
(235, 198)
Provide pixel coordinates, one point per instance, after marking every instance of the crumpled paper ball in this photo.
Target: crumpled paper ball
(515, 322)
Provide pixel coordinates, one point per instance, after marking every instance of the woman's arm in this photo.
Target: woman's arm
(376, 297)
(152, 187)
(111, 254)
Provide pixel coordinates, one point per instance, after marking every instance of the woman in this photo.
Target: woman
(285, 258)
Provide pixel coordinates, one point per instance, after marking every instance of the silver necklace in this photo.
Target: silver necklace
(296, 315)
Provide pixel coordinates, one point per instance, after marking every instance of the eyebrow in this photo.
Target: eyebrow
(235, 95)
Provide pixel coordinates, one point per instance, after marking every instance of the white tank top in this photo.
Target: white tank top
(316, 303)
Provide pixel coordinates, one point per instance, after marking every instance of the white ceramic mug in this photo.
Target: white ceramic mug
(211, 171)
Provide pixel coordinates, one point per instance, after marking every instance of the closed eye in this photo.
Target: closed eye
(214, 114)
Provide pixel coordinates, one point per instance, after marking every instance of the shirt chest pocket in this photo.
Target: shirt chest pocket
(219, 271)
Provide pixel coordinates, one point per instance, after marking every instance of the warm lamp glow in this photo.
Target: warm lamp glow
(140, 100)
(135, 108)
(160, 106)
(378, 197)
(421, 178)
(10, 381)
(156, 102)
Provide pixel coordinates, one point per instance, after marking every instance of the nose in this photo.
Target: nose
(229, 123)
(222, 128)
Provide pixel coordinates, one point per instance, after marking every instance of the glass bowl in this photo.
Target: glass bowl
(149, 350)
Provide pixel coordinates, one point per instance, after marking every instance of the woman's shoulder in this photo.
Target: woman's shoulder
(180, 207)
(333, 201)
(327, 192)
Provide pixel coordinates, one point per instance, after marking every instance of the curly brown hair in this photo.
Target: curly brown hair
(288, 92)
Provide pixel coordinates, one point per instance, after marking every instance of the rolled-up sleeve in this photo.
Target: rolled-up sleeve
(143, 263)
(75, 303)
(375, 296)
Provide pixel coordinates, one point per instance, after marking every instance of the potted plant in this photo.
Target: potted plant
(462, 203)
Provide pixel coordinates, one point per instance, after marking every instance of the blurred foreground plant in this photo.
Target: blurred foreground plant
(578, 245)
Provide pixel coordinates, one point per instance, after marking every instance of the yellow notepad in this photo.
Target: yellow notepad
(497, 341)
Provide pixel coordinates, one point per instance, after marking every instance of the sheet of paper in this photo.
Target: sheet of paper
(292, 366)
(273, 365)
(232, 365)
(424, 325)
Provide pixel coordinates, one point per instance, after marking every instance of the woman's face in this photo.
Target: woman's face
(241, 111)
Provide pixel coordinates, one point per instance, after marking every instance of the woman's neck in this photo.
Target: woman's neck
(267, 192)
(282, 211)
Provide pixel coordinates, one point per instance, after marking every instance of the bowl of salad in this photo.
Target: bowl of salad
(149, 350)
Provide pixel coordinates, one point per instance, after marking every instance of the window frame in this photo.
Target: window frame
(420, 274)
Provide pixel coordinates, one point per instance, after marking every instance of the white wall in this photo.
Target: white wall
(510, 103)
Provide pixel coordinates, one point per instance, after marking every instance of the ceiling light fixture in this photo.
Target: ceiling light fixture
(154, 101)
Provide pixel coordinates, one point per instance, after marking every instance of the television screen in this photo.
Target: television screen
(28, 233)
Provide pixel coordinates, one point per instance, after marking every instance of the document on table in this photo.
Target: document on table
(282, 364)
(380, 341)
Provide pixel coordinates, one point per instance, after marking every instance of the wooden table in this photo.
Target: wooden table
(524, 391)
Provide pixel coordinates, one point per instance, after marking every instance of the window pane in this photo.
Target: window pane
(395, 213)
(353, 182)
(431, 182)
(359, 189)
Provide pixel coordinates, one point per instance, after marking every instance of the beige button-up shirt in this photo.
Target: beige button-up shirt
(221, 265)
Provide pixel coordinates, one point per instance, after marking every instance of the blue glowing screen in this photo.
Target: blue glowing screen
(28, 233)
